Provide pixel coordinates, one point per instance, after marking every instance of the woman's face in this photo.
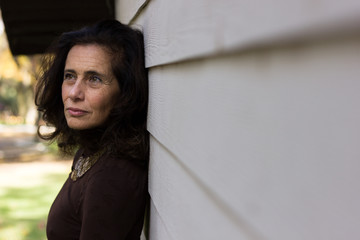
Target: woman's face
(89, 89)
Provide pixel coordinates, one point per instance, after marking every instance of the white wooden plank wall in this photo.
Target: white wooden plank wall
(177, 30)
(251, 138)
(271, 137)
(128, 9)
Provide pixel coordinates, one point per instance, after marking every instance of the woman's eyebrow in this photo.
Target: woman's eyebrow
(94, 73)
(87, 73)
(70, 70)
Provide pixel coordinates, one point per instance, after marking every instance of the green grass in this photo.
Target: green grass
(23, 210)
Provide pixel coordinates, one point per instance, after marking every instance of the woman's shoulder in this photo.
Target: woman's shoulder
(117, 169)
(111, 161)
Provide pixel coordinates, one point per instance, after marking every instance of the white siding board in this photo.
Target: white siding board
(186, 29)
(158, 230)
(274, 134)
(182, 208)
(127, 10)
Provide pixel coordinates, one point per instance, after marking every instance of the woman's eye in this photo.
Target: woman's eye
(95, 79)
(68, 76)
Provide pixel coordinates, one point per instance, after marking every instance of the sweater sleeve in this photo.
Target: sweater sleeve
(113, 204)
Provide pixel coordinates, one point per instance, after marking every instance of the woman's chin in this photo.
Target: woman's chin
(78, 125)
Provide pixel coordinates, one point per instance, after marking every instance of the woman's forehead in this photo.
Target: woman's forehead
(88, 57)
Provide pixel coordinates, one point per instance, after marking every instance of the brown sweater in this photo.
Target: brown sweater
(107, 202)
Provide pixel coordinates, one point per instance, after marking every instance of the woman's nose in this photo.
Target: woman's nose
(76, 91)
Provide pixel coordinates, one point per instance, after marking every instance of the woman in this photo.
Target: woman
(94, 91)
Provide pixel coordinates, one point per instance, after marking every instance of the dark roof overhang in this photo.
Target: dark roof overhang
(31, 26)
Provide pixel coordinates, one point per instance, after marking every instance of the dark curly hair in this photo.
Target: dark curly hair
(124, 132)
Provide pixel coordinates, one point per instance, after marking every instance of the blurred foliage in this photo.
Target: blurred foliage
(8, 100)
(17, 86)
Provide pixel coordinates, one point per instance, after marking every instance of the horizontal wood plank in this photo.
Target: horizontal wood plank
(158, 229)
(274, 134)
(179, 30)
(127, 10)
(182, 209)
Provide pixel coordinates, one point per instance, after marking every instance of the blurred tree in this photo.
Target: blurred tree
(16, 85)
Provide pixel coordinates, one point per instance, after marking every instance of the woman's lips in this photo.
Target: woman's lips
(76, 112)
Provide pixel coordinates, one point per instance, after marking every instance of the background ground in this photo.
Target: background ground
(30, 178)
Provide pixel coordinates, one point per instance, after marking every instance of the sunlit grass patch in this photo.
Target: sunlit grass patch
(24, 207)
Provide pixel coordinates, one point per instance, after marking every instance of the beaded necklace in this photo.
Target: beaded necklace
(84, 164)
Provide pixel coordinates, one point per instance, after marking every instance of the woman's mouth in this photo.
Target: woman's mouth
(76, 112)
